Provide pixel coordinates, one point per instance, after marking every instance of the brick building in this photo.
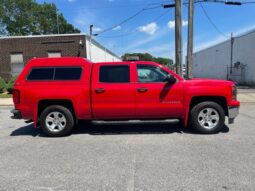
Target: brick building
(15, 51)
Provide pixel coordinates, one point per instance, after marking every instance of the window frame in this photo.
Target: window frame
(54, 70)
(150, 65)
(115, 65)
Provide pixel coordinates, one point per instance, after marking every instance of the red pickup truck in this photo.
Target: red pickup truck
(55, 93)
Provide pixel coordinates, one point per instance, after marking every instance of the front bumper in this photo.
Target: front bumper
(232, 113)
(16, 114)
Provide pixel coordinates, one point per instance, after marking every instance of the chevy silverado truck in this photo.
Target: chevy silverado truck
(55, 93)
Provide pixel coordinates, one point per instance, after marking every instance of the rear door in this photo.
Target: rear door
(112, 92)
(154, 97)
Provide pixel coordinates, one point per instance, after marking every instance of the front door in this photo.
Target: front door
(155, 98)
(112, 92)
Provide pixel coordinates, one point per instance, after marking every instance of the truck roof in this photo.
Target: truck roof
(74, 61)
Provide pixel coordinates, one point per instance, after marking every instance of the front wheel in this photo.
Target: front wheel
(56, 121)
(207, 117)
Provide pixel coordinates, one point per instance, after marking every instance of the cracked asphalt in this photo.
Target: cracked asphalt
(120, 156)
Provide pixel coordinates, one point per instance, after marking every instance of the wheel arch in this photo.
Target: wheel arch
(221, 100)
(42, 104)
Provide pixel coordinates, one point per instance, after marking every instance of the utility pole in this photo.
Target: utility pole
(178, 34)
(190, 39)
(90, 39)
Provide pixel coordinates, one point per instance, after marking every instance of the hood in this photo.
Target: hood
(207, 81)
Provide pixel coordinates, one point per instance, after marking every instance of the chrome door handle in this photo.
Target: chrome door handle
(142, 90)
(99, 90)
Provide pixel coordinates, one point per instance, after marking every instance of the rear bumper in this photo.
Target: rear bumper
(233, 111)
(16, 114)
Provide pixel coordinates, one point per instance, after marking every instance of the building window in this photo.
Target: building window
(54, 54)
(17, 63)
(114, 74)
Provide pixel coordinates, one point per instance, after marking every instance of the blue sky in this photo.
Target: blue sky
(152, 31)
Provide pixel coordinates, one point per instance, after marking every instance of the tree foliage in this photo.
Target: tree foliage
(26, 17)
(148, 57)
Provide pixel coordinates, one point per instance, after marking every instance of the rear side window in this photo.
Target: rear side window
(67, 74)
(114, 74)
(41, 74)
(58, 73)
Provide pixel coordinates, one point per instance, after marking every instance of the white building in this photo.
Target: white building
(232, 59)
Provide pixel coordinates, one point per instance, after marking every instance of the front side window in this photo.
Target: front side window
(114, 74)
(149, 73)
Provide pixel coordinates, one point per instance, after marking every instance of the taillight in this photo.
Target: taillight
(16, 96)
(234, 93)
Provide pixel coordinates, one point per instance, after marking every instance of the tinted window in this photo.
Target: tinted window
(147, 73)
(67, 73)
(114, 74)
(41, 74)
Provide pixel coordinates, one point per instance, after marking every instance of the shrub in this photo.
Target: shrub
(2, 85)
(10, 84)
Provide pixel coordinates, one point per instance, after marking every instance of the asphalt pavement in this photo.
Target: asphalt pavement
(119, 156)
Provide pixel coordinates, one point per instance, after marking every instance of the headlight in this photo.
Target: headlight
(234, 92)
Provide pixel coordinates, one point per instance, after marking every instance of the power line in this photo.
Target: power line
(132, 32)
(211, 21)
(126, 20)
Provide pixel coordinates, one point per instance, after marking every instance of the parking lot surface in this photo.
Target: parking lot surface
(119, 156)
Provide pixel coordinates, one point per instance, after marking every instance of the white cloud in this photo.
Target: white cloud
(150, 28)
(171, 24)
(117, 28)
(97, 29)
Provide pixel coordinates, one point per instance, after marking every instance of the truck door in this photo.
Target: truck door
(112, 92)
(155, 98)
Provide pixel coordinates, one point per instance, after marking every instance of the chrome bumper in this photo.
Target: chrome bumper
(232, 113)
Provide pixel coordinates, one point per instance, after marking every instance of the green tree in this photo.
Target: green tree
(148, 57)
(26, 17)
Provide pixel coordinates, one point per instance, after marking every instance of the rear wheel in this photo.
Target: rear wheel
(207, 117)
(56, 121)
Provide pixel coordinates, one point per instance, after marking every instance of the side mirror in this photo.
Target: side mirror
(170, 79)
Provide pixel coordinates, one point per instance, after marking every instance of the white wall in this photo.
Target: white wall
(212, 62)
(99, 54)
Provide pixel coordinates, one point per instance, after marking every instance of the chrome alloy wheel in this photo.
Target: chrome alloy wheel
(208, 118)
(55, 121)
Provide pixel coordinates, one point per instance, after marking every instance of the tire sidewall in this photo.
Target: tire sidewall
(64, 111)
(194, 117)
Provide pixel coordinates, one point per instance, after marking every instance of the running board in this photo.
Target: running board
(137, 121)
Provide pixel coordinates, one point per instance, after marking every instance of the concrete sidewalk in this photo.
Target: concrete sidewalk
(6, 102)
(243, 96)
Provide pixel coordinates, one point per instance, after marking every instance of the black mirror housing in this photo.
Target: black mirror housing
(170, 79)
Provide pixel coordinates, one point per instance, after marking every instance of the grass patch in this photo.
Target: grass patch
(4, 95)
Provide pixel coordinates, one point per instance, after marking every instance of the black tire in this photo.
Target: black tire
(194, 120)
(68, 124)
